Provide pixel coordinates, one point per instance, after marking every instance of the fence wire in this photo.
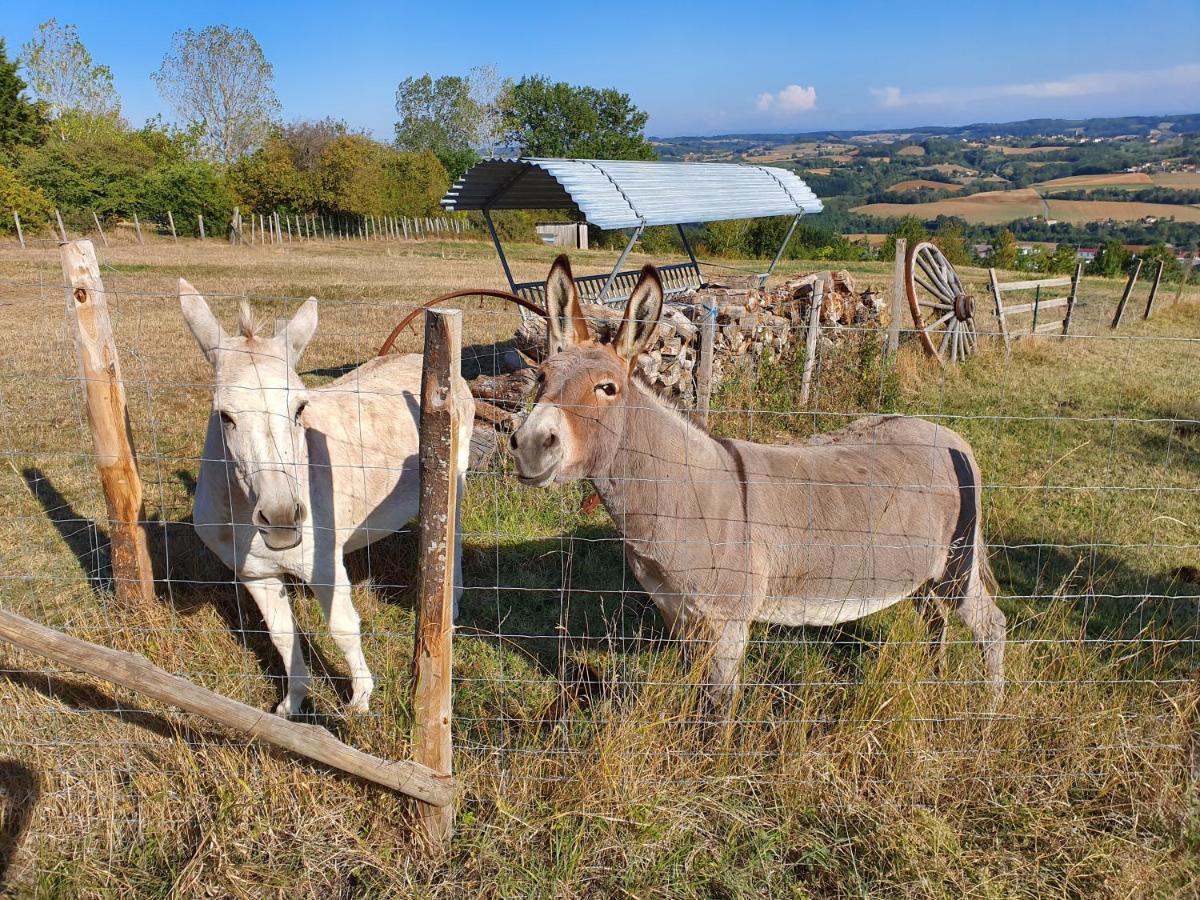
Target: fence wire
(1089, 449)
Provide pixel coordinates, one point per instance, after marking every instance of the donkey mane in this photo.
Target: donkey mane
(249, 327)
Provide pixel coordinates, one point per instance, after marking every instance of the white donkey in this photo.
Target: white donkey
(292, 478)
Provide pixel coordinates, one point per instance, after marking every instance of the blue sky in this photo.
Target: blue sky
(697, 68)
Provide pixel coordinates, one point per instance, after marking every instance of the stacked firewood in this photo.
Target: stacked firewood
(750, 321)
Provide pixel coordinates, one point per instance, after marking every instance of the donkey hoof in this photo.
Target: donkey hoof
(284, 708)
(360, 703)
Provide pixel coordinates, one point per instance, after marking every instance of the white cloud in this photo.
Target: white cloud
(792, 99)
(1083, 85)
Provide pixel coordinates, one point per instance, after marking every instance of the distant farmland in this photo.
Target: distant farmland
(1133, 181)
(998, 207)
(916, 184)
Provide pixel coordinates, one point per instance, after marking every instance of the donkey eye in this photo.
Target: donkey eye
(227, 419)
(607, 388)
(300, 411)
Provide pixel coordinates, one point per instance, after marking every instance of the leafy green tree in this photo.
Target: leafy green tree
(1062, 261)
(911, 229)
(63, 76)
(187, 188)
(1004, 250)
(219, 80)
(440, 116)
(1155, 253)
(20, 118)
(1111, 260)
(30, 204)
(952, 241)
(269, 180)
(545, 118)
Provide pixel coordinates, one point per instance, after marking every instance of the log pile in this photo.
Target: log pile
(750, 321)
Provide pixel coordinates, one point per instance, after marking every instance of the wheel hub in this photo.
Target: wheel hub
(964, 307)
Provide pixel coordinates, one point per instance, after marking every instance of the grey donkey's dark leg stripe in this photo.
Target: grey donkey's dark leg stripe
(962, 547)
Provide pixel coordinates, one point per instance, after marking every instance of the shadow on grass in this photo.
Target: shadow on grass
(19, 794)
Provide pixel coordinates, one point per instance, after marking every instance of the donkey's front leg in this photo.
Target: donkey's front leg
(344, 626)
(270, 596)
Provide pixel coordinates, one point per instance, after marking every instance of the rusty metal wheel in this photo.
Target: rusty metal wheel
(943, 312)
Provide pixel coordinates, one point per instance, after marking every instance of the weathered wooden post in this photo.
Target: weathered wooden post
(438, 455)
(200, 223)
(708, 344)
(897, 307)
(1154, 289)
(20, 233)
(810, 341)
(1071, 298)
(1187, 273)
(1133, 277)
(171, 221)
(136, 673)
(108, 420)
(62, 232)
(100, 229)
(137, 226)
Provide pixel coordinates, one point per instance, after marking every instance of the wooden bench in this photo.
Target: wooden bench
(1037, 307)
(678, 278)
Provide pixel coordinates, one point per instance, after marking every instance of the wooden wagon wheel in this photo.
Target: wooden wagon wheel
(942, 311)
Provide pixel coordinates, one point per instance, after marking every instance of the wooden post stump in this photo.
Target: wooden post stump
(897, 307)
(1133, 277)
(1153, 290)
(438, 455)
(108, 420)
(810, 342)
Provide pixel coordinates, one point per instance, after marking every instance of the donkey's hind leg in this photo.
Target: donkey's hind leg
(934, 611)
(979, 612)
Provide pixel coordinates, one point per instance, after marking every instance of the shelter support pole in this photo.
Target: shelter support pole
(687, 245)
(487, 217)
(612, 276)
(136, 673)
(108, 421)
(432, 648)
(786, 240)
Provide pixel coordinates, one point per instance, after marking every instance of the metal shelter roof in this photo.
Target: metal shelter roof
(630, 194)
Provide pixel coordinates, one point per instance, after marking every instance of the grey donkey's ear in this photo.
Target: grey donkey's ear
(200, 321)
(565, 322)
(641, 317)
(298, 330)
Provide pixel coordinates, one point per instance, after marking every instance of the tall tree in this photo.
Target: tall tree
(438, 115)
(545, 118)
(63, 76)
(20, 118)
(220, 80)
(1004, 253)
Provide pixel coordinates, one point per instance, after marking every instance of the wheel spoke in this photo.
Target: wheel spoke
(937, 292)
(940, 322)
(941, 290)
(941, 352)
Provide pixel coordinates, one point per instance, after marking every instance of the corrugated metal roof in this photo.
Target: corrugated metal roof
(624, 194)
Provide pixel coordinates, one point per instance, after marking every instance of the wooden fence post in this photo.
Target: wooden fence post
(438, 455)
(171, 220)
(20, 233)
(810, 341)
(897, 308)
(100, 229)
(62, 232)
(1154, 289)
(200, 222)
(1187, 273)
(137, 226)
(136, 673)
(1071, 298)
(708, 342)
(108, 420)
(1133, 277)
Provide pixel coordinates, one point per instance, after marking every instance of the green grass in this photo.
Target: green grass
(851, 771)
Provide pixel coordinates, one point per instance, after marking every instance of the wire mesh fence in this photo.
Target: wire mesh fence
(570, 690)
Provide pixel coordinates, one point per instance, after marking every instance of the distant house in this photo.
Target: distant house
(1087, 254)
(983, 251)
(1025, 249)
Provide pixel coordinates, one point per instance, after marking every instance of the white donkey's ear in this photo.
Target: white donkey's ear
(565, 322)
(299, 330)
(200, 321)
(641, 317)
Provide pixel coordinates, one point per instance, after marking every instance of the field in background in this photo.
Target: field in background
(998, 207)
(853, 770)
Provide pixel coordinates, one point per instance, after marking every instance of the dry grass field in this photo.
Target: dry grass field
(916, 184)
(1116, 179)
(850, 769)
(998, 207)
(1025, 151)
